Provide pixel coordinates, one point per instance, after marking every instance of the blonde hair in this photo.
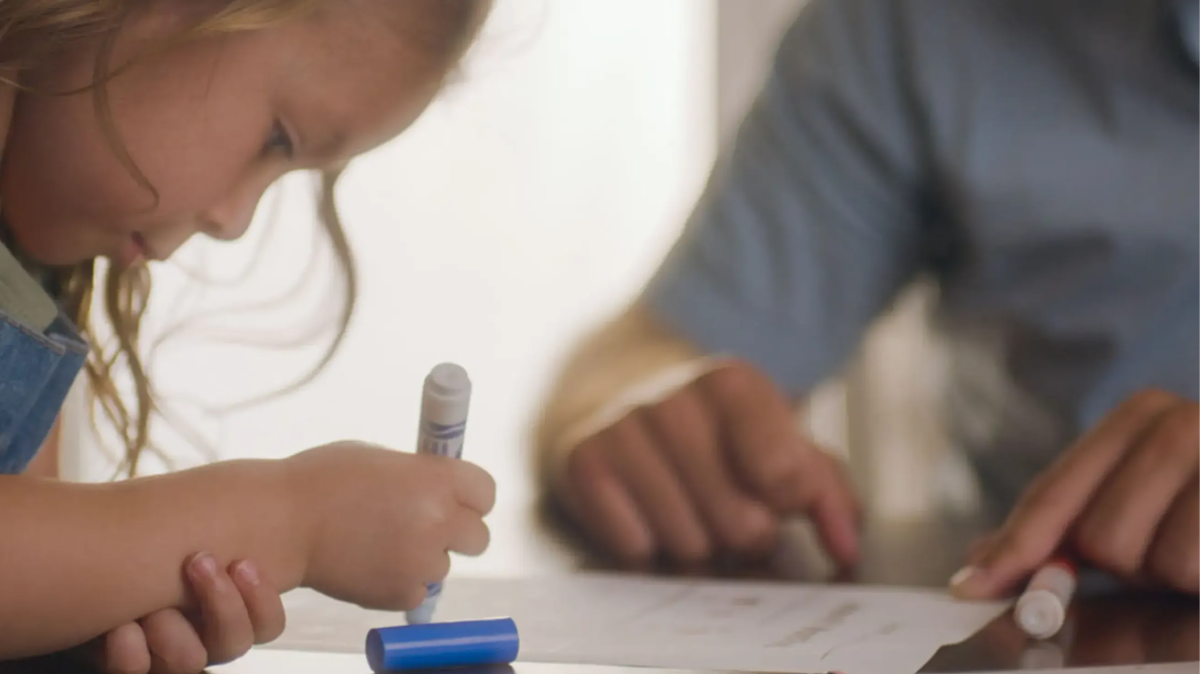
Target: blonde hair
(32, 31)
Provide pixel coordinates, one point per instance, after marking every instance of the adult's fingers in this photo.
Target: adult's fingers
(776, 463)
(658, 489)
(1047, 510)
(602, 504)
(687, 434)
(1118, 525)
(1174, 556)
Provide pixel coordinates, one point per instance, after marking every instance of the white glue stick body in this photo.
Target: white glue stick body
(1042, 609)
(444, 402)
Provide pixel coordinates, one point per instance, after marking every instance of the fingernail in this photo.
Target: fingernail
(246, 571)
(961, 576)
(965, 579)
(204, 566)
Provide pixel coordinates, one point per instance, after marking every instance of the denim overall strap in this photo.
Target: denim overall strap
(37, 370)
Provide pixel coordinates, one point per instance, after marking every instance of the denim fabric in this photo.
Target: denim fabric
(37, 370)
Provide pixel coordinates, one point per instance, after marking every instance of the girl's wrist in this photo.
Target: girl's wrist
(296, 492)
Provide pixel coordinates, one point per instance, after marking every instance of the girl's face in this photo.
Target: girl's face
(211, 124)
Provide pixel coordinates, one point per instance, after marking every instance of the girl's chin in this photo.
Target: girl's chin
(47, 251)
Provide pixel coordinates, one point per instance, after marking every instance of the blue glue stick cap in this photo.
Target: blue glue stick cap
(443, 645)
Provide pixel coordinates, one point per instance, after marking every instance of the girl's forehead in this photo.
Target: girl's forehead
(350, 83)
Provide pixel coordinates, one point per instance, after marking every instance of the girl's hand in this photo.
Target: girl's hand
(1125, 499)
(379, 524)
(237, 609)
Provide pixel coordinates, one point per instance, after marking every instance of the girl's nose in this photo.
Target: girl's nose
(229, 218)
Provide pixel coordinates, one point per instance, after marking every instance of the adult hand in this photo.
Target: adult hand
(1125, 499)
(713, 467)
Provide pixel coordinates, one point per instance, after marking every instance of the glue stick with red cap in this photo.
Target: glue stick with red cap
(1042, 609)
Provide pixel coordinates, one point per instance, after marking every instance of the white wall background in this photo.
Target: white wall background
(530, 201)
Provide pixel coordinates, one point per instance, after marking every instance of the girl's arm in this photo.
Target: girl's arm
(45, 464)
(78, 559)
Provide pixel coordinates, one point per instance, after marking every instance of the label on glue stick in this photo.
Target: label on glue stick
(444, 402)
(443, 425)
(442, 439)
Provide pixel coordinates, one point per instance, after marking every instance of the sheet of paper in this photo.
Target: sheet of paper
(1168, 668)
(680, 623)
(256, 662)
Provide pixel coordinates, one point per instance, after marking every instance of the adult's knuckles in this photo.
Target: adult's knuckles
(779, 455)
(675, 416)
(783, 475)
(692, 549)
(678, 424)
(677, 403)
(1101, 546)
(631, 433)
(589, 463)
(730, 530)
(1045, 500)
(593, 480)
(743, 391)
(1177, 435)
(1179, 569)
(1020, 548)
(737, 378)
(629, 548)
(752, 529)
(1147, 401)
(769, 444)
(595, 512)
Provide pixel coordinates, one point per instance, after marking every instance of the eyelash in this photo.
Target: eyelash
(281, 141)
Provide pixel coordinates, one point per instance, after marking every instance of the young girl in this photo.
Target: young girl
(129, 126)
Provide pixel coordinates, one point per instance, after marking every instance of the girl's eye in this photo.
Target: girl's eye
(280, 141)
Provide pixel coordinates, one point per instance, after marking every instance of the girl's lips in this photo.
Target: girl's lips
(148, 251)
(132, 251)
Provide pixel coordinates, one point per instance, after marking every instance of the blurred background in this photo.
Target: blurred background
(532, 201)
